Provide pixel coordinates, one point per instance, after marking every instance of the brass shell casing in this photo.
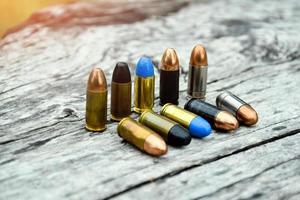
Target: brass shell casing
(143, 93)
(120, 100)
(141, 137)
(177, 114)
(96, 101)
(157, 122)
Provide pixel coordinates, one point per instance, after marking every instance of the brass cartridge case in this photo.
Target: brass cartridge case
(96, 101)
(143, 93)
(142, 137)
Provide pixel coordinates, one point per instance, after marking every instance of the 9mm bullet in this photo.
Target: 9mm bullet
(243, 111)
(169, 77)
(96, 101)
(197, 79)
(121, 92)
(172, 132)
(197, 126)
(217, 118)
(144, 85)
(141, 137)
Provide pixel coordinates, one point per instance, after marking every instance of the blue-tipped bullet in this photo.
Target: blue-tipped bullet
(197, 126)
(144, 85)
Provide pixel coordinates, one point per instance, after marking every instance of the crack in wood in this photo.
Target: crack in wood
(179, 171)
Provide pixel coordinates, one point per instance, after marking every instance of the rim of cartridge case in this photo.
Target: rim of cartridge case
(162, 110)
(144, 113)
(122, 122)
(220, 98)
(96, 130)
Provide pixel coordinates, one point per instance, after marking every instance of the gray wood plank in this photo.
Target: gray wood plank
(45, 151)
(269, 171)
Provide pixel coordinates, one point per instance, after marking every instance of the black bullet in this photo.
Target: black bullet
(219, 119)
(173, 133)
(121, 92)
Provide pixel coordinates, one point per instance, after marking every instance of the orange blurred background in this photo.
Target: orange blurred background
(13, 12)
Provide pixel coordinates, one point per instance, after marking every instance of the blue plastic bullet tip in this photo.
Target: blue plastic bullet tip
(144, 67)
(199, 127)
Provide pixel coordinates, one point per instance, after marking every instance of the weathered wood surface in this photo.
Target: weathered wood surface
(253, 51)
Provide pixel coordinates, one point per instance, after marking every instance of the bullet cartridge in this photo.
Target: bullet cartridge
(217, 118)
(197, 77)
(169, 77)
(141, 137)
(197, 126)
(172, 132)
(236, 106)
(121, 92)
(144, 85)
(96, 101)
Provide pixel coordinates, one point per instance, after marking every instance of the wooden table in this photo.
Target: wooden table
(253, 51)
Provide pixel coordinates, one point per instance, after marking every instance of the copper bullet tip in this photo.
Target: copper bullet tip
(97, 81)
(247, 115)
(198, 56)
(169, 61)
(226, 121)
(155, 145)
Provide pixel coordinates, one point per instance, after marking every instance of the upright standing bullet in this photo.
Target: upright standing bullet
(96, 101)
(169, 78)
(197, 79)
(197, 126)
(217, 118)
(142, 137)
(173, 133)
(243, 111)
(120, 92)
(144, 85)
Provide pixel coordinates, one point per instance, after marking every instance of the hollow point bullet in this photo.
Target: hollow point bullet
(219, 119)
(142, 137)
(96, 101)
(169, 77)
(197, 126)
(173, 133)
(120, 92)
(197, 79)
(144, 85)
(243, 111)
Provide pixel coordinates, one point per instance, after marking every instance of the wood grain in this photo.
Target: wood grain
(253, 51)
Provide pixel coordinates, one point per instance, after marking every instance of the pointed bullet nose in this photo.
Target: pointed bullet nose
(121, 73)
(155, 145)
(247, 115)
(144, 67)
(226, 121)
(97, 81)
(198, 56)
(179, 136)
(169, 61)
(199, 127)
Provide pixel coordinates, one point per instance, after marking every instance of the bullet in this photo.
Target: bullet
(141, 137)
(121, 92)
(242, 110)
(172, 132)
(197, 126)
(96, 101)
(217, 118)
(169, 77)
(144, 85)
(197, 78)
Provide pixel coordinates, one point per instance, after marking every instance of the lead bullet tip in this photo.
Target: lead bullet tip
(97, 81)
(198, 56)
(169, 61)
